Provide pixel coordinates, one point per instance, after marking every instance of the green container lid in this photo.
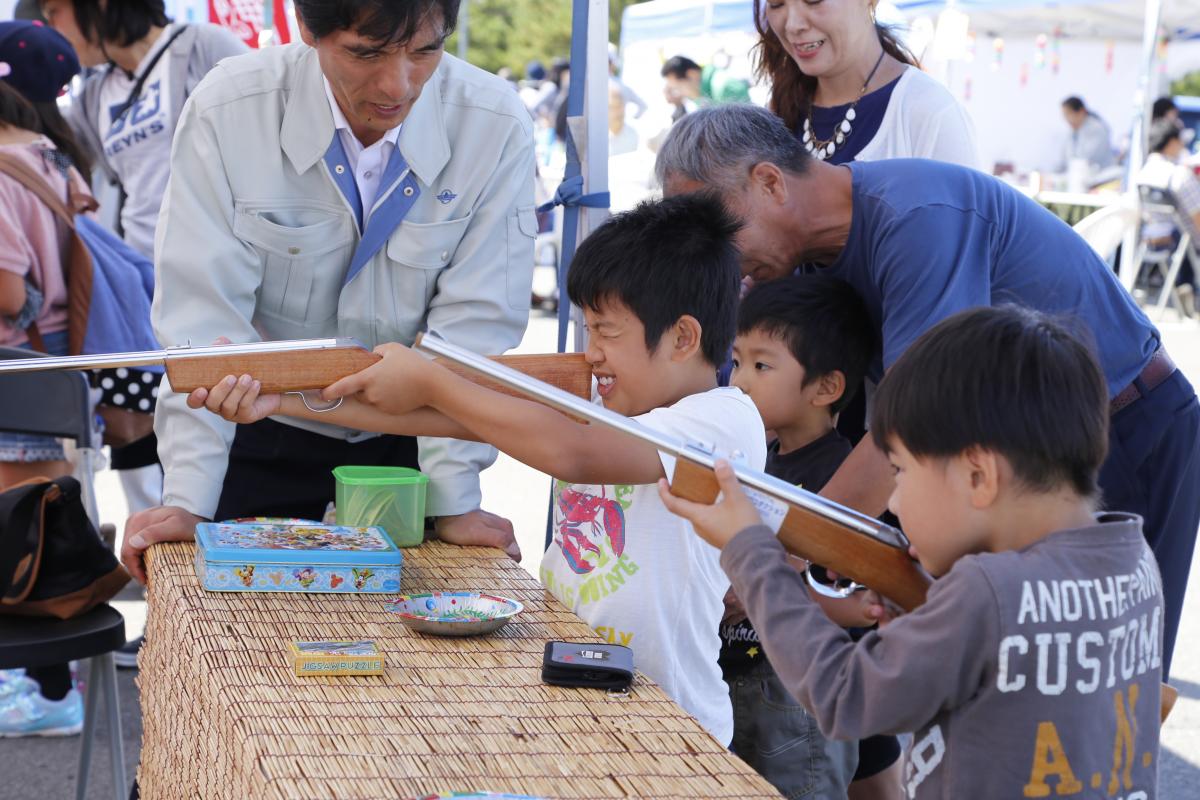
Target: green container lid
(378, 476)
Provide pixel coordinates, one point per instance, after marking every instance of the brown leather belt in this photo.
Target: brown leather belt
(1158, 370)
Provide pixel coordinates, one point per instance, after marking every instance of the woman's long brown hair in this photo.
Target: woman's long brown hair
(791, 90)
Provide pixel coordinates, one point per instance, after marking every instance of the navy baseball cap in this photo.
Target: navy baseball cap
(36, 60)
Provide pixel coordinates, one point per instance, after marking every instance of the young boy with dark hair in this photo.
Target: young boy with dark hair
(1034, 666)
(659, 289)
(802, 348)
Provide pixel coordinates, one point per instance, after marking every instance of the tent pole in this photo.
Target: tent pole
(1139, 130)
(587, 131)
(595, 113)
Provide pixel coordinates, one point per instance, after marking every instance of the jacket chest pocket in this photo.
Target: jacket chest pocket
(417, 253)
(304, 261)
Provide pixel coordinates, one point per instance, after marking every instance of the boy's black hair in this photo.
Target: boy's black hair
(679, 67)
(385, 21)
(1162, 133)
(822, 320)
(1010, 380)
(121, 23)
(663, 260)
(1161, 106)
(1074, 103)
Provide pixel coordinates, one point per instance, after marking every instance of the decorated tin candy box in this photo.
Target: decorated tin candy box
(289, 557)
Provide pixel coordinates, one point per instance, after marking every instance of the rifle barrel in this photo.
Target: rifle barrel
(698, 452)
(36, 364)
(160, 357)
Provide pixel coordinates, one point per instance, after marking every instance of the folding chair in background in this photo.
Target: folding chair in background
(1158, 204)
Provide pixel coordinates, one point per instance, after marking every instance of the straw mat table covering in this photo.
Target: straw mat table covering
(224, 716)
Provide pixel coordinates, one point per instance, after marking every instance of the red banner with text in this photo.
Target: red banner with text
(243, 17)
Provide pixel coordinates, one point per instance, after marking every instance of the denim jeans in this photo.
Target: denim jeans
(778, 738)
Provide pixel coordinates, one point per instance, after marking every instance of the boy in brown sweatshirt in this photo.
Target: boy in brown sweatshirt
(1034, 667)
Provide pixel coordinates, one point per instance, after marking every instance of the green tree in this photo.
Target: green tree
(1188, 85)
(511, 33)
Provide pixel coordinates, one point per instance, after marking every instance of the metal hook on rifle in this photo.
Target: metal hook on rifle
(837, 590)
(319, 408)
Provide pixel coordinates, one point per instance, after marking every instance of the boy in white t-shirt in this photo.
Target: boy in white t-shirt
(658, 286)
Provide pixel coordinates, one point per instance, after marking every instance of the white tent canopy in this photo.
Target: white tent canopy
(666, 19)
(1082, 19)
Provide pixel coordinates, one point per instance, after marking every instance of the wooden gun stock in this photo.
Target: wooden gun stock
(288, 371)
(299, 370)
(887, 569)
(1169, 695)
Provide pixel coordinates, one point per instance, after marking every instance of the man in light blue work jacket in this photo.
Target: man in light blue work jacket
(360, 184)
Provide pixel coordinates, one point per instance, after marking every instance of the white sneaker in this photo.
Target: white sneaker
(33, 715)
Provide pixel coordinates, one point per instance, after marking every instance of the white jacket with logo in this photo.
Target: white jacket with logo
(255, 241)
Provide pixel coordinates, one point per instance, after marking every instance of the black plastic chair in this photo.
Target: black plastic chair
(58, 404)
(40, 642)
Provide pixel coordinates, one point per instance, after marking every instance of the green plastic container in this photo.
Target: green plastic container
(391, 497)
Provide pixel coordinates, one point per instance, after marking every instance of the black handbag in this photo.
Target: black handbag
(597, 666)
(52, 561)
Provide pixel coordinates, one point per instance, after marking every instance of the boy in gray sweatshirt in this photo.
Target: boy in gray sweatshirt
(1033, 669)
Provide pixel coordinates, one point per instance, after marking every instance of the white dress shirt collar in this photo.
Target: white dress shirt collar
(367, 163)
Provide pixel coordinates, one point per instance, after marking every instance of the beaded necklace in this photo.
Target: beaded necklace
(825, 148)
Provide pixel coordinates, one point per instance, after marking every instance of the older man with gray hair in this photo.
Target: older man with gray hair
(921, 240)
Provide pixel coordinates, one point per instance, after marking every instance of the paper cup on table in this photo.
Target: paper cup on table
(391, 497)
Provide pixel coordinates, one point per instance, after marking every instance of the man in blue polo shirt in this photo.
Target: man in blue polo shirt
(922, 240)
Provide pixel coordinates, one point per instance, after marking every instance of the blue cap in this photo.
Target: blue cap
(36, 60)
(534, 71)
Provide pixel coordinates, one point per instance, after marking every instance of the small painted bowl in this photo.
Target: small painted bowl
(454, 613)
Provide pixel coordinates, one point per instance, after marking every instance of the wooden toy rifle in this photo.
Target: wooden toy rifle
(809, 526)
(818, 530)
(812, 527)
(292, 366)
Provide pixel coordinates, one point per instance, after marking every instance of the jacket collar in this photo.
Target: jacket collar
(308, 123)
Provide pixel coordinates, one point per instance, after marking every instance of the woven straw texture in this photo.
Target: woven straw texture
(225, 717)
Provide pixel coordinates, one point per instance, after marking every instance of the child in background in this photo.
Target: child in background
(802, 348)
(659, 290)
(1033, 668)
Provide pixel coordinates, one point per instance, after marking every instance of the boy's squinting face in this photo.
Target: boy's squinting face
(630, 379)
(932, 500)
(765, 369)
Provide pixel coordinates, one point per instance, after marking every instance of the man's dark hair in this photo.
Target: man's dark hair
(1162, 133)
(679, 67)
(1161, 106)
(1009, 380)
(1074, 103)
(663, 260)
(823, 322)
(384, 21)
(120, 23)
